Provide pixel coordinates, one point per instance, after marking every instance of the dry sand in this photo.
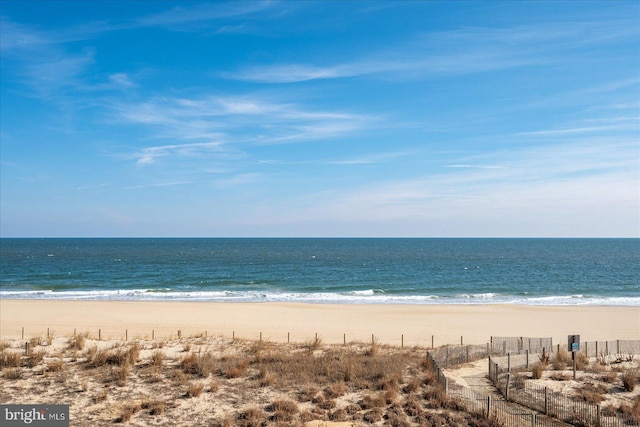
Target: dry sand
(390, 324)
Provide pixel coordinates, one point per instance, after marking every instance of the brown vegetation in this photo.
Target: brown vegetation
(248, 383)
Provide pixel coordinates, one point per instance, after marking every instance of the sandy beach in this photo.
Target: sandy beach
(278, 322)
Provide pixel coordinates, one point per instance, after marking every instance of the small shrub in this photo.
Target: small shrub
(55, 366)
(307, 393)
(266, 377)
(544, 358)
(157, 359)
(338, 415)
(582, 362)
(284, 410)
(126, 414)
(373, 416)
(12, 373)
(237, 369)
(9, 359)
(313, 345)
(101, 396)
(198, 364)
(629, 380)
(34, 358)
(214, 386)
(412, 386)
(537, 370)
(373, 401)
(119, 375)
(412, 407)
(250, 417)
(335, 390)
(195, 389)
(560, 360)
(560, 376)
(155, 407)
(77, 342)
(133, 354)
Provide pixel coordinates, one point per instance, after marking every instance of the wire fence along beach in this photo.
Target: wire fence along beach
(525, 403)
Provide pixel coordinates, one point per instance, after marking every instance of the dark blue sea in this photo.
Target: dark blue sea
(362, 271)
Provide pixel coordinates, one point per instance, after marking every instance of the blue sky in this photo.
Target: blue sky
(423, 119)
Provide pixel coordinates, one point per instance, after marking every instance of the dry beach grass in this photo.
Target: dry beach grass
(221, 382)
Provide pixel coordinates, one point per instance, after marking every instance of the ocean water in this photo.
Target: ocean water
(393, 271)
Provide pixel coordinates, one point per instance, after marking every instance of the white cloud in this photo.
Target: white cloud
(462, 51)
(231, 121)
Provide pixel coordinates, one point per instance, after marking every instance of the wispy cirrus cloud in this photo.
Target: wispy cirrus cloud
(231, 120)
(462, 51)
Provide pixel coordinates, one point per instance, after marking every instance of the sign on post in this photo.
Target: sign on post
(573, 343)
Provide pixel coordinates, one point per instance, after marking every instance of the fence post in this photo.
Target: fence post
(402, 341)
(287, 337)
(487, 349)
(126, 335)
(488, 406)
(527, 363)
(508, 362)
(23, 332)
(504, 347)
(586, 349)
(461, 341)
(467, 353)
(26, 347)
(606, 347)
(546, 402)
(344, 339)
(432, 341)
(618, 346)
(598, 416)
(533, 419)
(596, 348)
(99, 334)
(506, 391)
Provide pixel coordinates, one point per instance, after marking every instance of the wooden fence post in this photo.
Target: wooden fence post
(546, 402)
(260, 336)
(288, 339)
(618, 346)
(153, 334)
(527, 362)
(99, 334)
(488, 406)
(598, 416)
(126, 335)
(508, 362)
(402, 341)
(432, 341)
(23, 332)
(506, 391)
(344, 339)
